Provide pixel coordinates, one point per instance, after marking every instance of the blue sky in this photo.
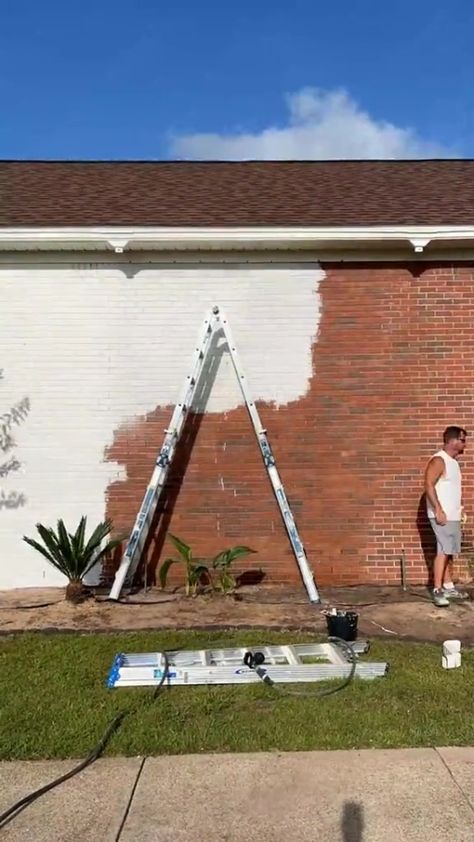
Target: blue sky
(257, 78)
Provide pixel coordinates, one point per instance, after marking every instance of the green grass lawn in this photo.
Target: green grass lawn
(54, 703)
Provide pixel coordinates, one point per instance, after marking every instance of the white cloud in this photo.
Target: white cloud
(321, 125)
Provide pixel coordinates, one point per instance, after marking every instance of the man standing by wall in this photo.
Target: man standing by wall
(444, 508)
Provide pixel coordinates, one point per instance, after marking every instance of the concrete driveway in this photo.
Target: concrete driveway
(345, 796)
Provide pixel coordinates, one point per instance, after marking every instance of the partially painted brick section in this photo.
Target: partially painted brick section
(97, 350)
(392, 367)
(356, 370)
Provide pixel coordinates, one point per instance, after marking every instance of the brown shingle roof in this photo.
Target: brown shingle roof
(312, 193)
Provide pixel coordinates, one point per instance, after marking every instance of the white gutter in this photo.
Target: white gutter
(120, 239)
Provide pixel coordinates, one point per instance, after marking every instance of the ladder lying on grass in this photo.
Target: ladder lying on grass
(129, 563)
(306, 662)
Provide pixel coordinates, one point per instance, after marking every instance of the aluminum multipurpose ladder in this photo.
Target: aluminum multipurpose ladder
(286, 664)
(133, 551)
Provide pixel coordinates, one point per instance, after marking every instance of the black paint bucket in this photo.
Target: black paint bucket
(343, 625)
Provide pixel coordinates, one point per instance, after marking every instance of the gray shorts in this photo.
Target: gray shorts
(448, 537)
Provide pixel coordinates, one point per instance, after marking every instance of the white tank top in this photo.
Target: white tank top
(448, 488)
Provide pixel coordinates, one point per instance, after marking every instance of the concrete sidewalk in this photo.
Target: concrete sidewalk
(344, 796)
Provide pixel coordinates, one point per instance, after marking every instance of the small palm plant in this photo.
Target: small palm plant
(221, 564)
(71, 554)
(195, 569)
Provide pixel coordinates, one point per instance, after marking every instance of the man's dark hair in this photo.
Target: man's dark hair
(451, 433)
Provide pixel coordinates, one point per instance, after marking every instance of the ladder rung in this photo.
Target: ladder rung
(291, 655)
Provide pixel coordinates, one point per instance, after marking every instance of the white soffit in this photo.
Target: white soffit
(417, 239)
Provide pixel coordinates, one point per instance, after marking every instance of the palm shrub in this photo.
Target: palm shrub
(71, 554)
(221, 564)
(196, 570)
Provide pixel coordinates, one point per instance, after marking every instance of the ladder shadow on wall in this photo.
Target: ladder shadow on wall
(179, 465)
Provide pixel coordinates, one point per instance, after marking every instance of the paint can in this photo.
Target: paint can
(342, 624)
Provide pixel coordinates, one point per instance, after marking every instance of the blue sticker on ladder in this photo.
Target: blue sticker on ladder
(163, 456)
(114, 671)
(159, 674)
(132, 543)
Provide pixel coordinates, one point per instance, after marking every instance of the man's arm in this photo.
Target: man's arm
(435, 470)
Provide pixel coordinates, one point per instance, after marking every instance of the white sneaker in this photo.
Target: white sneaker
(453, 593)
(440, 599)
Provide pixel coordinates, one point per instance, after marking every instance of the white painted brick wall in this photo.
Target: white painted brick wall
(94, 348)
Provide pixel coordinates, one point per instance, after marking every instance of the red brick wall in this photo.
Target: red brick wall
(393, 364)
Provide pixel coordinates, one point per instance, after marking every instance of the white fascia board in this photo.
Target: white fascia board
(120, 239)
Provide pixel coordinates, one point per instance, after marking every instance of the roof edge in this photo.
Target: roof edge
(416, 238)
(227, 162)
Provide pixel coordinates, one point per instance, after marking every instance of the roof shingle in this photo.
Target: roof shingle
(273, 193)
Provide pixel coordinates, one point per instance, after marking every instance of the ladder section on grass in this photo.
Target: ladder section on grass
(307, 662)
(133, 551)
